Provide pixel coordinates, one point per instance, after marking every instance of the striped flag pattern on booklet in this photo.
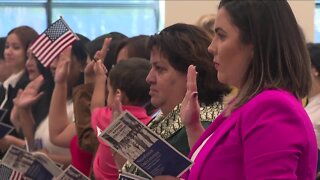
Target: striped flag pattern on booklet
(8, 173)
(52, 42)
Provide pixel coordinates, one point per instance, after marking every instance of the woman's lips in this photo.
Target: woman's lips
(216, 65)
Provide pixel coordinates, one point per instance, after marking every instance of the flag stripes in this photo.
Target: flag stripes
(7, 173)
(52, 42)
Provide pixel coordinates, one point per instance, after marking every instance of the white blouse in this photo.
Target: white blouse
(42, 138)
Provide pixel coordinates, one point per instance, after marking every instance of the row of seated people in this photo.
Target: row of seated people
(167, 81)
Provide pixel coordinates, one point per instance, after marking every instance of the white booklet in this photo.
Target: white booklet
(71, 173)
(129, 176)
(36, 167)
(144, 148)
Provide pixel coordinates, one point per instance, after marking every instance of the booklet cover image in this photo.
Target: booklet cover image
(32, 166)
(142, 147)
(71, 173)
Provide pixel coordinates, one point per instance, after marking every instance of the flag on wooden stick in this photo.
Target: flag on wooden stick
(52, 42)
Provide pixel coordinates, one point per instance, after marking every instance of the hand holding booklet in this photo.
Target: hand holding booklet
(144, 148)
(36, 167)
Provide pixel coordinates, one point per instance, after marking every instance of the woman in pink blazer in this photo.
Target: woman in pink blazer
(264, 132)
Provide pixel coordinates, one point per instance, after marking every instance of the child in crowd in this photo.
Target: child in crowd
(126, 81)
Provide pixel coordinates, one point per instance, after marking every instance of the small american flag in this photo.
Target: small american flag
(7, 173)
(52, 42)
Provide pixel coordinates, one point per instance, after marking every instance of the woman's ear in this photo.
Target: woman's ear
(118, 92)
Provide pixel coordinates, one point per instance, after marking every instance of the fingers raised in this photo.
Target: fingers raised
(192, 79)
(101, 54)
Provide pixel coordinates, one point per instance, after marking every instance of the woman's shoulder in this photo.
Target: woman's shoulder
(274, 97)
(274, 92)
(272, 102)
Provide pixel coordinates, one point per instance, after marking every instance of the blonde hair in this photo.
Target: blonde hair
(206, 22)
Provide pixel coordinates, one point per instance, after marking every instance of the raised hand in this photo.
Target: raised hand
(100, 70)
(99, 94)
(190, 109)
(14, 116)
(27, 97)
(14, 112)
(101, 54)
(116, 106)
(96, 67)
(89, 75)
(62, 71)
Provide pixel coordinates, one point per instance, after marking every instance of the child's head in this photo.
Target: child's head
(129, 78)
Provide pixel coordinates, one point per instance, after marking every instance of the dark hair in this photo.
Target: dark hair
(129, 76)
(80, 52)
(26, 35)
(2, 47)
(280, 58)
(46, 73)
(47, 88)
(79, 49)
(183, 45)
(314, 52)
(137, 46)
(97, 43)
(41, 108)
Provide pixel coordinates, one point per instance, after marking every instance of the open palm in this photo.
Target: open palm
(190, 109)
(27, 97)
(62, 71)
(96, 67)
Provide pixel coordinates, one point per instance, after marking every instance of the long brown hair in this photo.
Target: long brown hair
(280, 59)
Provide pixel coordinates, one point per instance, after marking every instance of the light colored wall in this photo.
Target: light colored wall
(188, 11)
(304, 12)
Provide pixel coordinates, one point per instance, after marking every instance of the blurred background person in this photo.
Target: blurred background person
(172, 51)
(61, 105)
(4, 70)
(206, 22)
(15, 55)
(313, 100)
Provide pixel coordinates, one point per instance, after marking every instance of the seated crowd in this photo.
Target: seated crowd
(227, 93)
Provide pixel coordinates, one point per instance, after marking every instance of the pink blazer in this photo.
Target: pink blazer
(270, 137)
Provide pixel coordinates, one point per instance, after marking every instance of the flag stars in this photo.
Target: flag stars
(56, 30)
